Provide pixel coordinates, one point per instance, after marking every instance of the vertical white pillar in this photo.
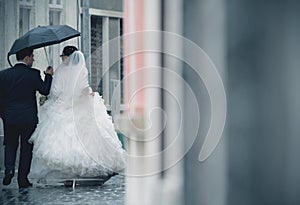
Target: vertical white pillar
(143, 97)
(105, 59)
(153, 93)
(133, 190)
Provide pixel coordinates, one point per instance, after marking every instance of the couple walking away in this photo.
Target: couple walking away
(74, 138)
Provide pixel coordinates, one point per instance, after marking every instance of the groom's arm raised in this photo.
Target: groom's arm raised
(44, 86)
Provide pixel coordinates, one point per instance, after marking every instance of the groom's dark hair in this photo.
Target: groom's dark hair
(20, 55)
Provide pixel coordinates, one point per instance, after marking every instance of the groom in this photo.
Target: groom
(18, 109)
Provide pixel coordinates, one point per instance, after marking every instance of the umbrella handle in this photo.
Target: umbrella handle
(9, 60)
(46, 55)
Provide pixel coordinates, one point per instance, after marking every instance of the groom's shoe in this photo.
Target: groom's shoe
(24, 184)
(7, 178)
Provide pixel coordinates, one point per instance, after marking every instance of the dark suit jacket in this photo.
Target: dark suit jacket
(18, 86)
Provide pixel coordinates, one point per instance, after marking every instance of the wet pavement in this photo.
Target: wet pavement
(112, 192)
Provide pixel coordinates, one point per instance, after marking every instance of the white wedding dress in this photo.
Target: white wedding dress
(75, 137)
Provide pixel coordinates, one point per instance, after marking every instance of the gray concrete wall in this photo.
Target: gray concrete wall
(204, 24)
(264, 101)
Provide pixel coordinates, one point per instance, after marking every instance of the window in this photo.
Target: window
(96, 54)
(56, 4)
(25, 7)
(106, 75)
(54, 19)
(25, 1)
(24, 20)
(55, 11)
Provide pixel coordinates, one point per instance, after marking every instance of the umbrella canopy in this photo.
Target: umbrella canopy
(42, 36)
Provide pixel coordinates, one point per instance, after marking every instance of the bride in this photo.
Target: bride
(75, 137)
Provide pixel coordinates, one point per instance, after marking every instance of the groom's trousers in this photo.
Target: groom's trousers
(12, 134)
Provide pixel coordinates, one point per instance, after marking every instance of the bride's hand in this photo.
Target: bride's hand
(92, 94)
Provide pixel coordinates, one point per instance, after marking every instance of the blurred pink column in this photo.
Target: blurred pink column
(142, 121)
(134, 59)
(134, 97)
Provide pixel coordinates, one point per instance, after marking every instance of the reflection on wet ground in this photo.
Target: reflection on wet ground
(112, 192)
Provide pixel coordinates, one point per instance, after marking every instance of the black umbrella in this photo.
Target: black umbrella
(42, 36)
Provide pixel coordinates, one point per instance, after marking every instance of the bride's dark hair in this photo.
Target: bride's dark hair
(68, 50)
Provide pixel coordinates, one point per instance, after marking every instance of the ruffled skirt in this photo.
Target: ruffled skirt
(75, 138)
